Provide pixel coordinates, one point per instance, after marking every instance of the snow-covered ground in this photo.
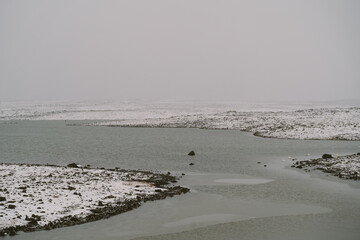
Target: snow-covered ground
(107, 110)
(333, 121)
(321, 123)
(35, 196)
(78, 110)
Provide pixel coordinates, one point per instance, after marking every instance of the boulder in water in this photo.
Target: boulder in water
(326, 156)
(192, 153)
(73, 165)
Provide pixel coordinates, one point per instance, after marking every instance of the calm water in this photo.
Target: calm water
(232, 197)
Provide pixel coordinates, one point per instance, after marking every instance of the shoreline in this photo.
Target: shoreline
(103, 124)
(344, 167)
(317, 122)
(255, 134)
(307, 124)
(32, 203)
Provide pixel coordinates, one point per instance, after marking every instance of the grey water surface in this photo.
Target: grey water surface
(242, 187)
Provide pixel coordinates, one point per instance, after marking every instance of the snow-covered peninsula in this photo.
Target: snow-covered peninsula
(323, 123)
(36, 197)
(346, 167)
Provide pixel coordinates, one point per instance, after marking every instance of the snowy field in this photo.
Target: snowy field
(322, 123)
(326, 121)
(44, 197)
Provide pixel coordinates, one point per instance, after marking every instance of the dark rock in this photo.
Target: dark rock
(33, 220)
(100, 203)
(12, 232)
(191, 164)
(326, 156)
(257, 134)
(110, 196)
(358, 153)
(265, 165)
(2, 199)
(73, 165)
(192, 153)
(11, 206)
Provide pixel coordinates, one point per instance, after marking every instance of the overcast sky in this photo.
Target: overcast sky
(219, 50)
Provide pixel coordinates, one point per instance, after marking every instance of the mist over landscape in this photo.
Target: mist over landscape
(177, 120)
(196, 50)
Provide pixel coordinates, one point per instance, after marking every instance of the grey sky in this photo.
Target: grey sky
(222, 50)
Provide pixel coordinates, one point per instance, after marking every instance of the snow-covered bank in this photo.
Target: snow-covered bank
(347, 167)
(322, 123)
(35, 197)
(277, 120)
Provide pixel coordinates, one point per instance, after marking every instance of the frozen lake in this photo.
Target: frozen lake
(233, 195)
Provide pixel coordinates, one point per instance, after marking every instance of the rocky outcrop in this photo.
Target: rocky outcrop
(346, 167)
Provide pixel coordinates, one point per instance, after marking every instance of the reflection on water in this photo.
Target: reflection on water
(232, 193)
